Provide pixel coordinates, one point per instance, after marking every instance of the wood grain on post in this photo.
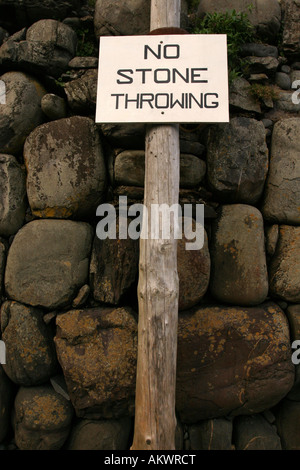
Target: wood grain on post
(155, 420)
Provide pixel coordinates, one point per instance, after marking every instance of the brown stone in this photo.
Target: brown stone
(193, 272)
(114, 267)
(239, 272)
(232, 361)
(97, 350)
(284, 269)
(42, 418)
(293, 314)
(255, 433)
(272, 234)
(13, 195)
(110, 434)
(30, 353)
(82, 296)
(287, 422)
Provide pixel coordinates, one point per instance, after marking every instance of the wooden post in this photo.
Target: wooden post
(155, 420)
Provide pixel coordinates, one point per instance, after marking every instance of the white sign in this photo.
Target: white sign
(169, 78)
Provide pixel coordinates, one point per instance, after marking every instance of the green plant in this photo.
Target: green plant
(192, 5)
(59, 82)
(239, 31)
(263, 93)
(86, 45)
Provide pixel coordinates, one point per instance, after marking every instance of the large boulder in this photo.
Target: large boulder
(30, 352)
(237, 160)
(48, 262)
(48, 48)
(284, 267)
(282, 193)
(232, 361)
(97, 350)
(22, 111)
(13, 195)
(265, 14)
(239, 271)
(66, 174)
(42, 418)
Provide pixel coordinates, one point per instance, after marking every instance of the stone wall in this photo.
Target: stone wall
(68, 300)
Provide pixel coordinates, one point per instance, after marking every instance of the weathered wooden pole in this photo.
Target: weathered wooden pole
(155, 420)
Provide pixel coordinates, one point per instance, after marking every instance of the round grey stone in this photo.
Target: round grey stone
(54, 106)
(48, 262)
(283, 80)
(21, 112)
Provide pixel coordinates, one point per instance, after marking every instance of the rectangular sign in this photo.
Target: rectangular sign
(165, 78)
